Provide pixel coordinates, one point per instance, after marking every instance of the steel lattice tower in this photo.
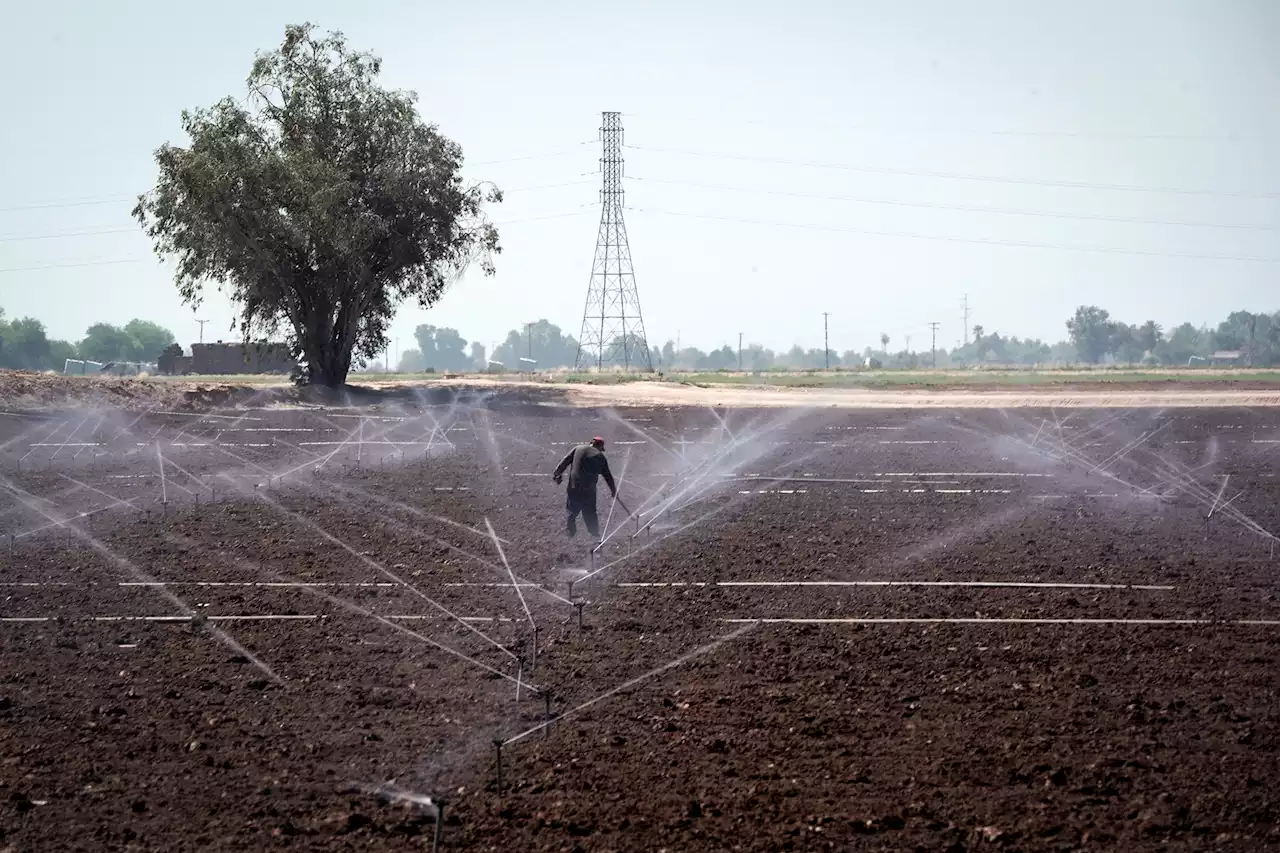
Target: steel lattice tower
(612, 327)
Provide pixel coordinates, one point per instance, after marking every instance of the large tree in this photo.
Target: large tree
(318, 203)
(549, 345)
(442, 349)
(1150, 334)
(1092, 332)
(149, 339)
(104, 342)
(24, 345)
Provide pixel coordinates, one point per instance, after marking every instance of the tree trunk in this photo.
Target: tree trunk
(327, 366)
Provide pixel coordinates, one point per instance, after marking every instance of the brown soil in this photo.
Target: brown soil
(244, 734)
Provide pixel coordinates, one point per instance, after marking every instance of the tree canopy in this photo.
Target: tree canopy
(25, 345)
(137, 340)
(542, 341)
(319, 203)
(442, 349)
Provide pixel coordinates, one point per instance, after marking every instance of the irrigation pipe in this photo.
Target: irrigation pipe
(701, 650)
(138, 574)
(374, 564)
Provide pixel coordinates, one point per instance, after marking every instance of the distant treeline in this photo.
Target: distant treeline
(24, 344)
(1093, 337)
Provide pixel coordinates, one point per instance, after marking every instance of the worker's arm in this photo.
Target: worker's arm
(564, 463)
(608, 476)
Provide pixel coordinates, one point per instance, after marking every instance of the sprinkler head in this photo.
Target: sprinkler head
(497, 748)
(440, 803)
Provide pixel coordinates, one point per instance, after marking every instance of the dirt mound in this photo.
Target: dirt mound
(23, 390)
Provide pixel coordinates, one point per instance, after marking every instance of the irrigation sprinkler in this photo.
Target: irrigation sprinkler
(519, 676)
(533, 663)
(546, 732)
(570, 585)
(497, 747)
(440, 803)
(12, 537)
(577, 605)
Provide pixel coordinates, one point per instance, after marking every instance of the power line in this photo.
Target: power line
(549, 216)
(977, 240)
(75, 264)
(955, 131)
(965, 208)
(117, 199)
(17, 237)
(73, 203)
(561, 153)
(949, 175)
(140, 260)
(546, 187)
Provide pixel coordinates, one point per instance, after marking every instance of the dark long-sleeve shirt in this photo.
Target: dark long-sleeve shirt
(585, 464)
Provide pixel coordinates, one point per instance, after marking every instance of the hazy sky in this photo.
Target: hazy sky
(824, 133)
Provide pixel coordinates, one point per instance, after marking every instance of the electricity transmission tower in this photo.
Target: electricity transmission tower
(612, 327)
(933, 345)
(964, 307)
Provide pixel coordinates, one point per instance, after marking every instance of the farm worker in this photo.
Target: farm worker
(585, 464)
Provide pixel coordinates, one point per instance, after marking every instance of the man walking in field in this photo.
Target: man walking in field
(585, 464)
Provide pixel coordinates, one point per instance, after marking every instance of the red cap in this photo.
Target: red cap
(598, 440)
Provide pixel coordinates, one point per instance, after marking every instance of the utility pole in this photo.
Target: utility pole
(1253, 330)
(908, 340)
(965, 307)
(933, 329)
(528, 333)
(826, 341)
(739, 352)
(202, 322)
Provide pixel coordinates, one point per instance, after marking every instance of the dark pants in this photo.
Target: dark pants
(582, 501)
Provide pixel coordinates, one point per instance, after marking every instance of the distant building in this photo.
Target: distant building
(1227, 357)
(173, 363)
(222, 358)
